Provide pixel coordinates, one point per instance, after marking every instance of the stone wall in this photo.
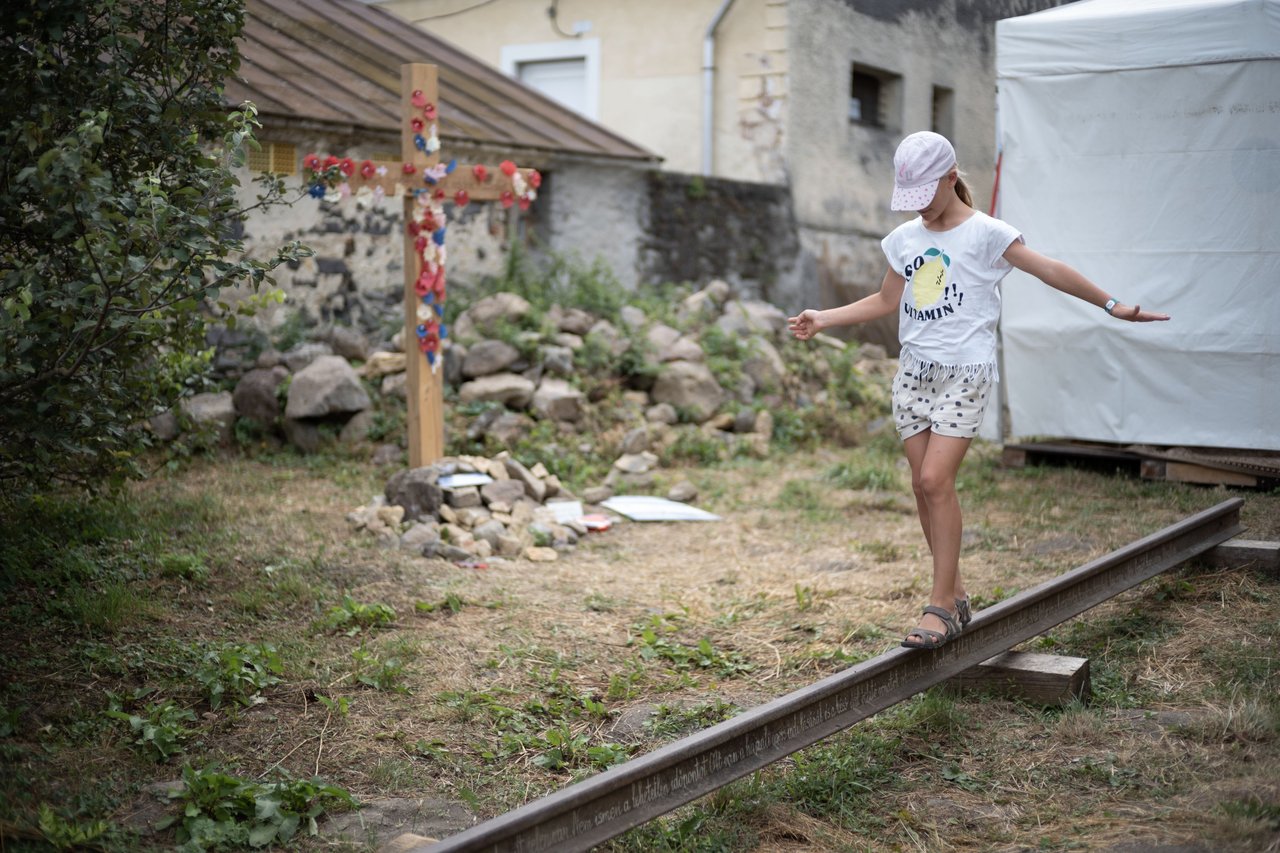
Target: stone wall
(709, 228)
(646, 226)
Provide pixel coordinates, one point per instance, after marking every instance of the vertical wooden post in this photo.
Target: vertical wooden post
(424, 387)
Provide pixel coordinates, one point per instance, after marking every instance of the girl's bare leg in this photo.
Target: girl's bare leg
(935, 461)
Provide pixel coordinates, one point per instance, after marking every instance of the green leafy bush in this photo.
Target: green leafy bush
(159, 729)
(353, 616)
(239, 673)
(118, 212)
(225, 812)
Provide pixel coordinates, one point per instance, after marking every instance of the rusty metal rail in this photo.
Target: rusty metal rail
(592, 811)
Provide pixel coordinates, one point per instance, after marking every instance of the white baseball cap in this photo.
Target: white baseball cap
(922, 159)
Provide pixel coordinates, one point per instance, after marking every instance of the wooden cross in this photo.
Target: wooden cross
(425, 184)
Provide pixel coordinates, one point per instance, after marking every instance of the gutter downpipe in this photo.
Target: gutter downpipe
(709, 88)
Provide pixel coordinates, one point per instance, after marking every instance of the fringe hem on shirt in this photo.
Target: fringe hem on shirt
(913, 365)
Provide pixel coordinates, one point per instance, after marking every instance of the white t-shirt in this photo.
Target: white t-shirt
(951, 301)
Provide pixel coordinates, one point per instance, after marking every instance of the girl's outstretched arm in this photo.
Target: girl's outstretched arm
(1071, 281)
(882, 303)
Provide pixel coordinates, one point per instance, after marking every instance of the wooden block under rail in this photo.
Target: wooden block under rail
(1235, 553)
(1041, 679)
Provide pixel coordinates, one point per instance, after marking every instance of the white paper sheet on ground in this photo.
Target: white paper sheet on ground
(458, 481)
(565, 510)
(648, 508)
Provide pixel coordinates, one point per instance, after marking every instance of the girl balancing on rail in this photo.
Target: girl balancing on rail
(954, 258)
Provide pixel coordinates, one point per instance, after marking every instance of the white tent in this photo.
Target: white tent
(1141, 144)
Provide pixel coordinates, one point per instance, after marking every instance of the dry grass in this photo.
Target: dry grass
(800, 577)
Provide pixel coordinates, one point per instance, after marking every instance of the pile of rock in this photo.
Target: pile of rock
(513, 515)
(312, 394)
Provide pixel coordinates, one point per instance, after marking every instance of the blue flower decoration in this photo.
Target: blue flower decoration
(438, 237)
(421, 330)
(419, 142)
(316, 191)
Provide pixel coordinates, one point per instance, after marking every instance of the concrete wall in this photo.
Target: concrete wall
(650, 72)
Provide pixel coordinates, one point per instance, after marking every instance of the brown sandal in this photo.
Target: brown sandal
(933, 639)
(963, 614)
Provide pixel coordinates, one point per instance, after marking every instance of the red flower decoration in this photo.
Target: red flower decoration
(525, 201)
(429, 222)
(414, 227)
(418, 98)
(417, 124)
(438, 195)
(347, 166)
(480, 172)
(429, 112)
(423, 284)
(460, 198)
(508, 168)
(330, 161)
(419, 243)
(508, 198)
(535, 178)
(311, 163)
(409, 168)
(426, 344)
(367, 169)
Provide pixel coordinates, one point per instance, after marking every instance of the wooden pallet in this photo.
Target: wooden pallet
(1149, 463)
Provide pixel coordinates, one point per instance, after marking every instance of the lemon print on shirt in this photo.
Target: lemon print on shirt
(931, 279)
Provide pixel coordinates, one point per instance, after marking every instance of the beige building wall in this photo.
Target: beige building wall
(648, 68)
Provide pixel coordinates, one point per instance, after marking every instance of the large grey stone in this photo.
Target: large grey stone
(557, 400)
(327, 386)
(764, 365)
(303, 354)
(502, 491)
(416, 490)
(752, 316)
(575, 321)
(533, 485)
(688, 386)
(214, 411)
(509, 389)
(609, 337)
(486, 314)
(256, 393)
(305, 435)
(488, 357)
(684, 349)
(557, 360)
(490, 531)
(348, 343)
(661, 338)
(632, 317)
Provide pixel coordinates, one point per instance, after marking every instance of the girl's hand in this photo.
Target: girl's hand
(804, 325)
(1135, 314)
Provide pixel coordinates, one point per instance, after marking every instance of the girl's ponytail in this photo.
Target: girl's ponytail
(962, 190)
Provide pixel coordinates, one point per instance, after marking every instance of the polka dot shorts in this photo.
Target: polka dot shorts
(949, 404)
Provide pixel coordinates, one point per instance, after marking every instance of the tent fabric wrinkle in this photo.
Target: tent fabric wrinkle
(1141, 144)
(1094, 36)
